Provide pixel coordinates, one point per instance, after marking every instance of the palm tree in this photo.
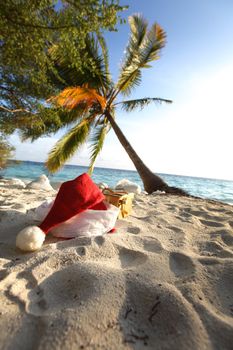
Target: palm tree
(91, 98)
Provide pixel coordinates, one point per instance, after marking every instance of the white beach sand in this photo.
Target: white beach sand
(164, 280)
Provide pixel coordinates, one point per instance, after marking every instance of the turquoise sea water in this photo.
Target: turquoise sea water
(221, 190)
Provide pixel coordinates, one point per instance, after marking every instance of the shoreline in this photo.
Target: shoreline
(163, 280)
(57, 184)
(220, 190)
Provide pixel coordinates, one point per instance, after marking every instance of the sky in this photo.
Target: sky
(193, 135)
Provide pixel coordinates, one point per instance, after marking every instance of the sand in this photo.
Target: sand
(164, 280)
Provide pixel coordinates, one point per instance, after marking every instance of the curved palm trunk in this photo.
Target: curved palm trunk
(151, 181)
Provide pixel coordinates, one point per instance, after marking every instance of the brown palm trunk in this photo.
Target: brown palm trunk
(150, 181)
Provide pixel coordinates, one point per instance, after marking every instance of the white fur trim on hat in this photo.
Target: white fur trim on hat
(30, 238)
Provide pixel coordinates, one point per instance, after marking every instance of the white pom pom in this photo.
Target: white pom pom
(29, 239)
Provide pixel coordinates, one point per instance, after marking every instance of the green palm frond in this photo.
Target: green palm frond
(130, 80)
(131, 105)
(105, 56)
(68, 145)
(97, 145)
(68, 116)
(91, 71)
(153, 42)
(138, 26)
(50, 120)
(99, 59)
(144, 47)
(45, 122)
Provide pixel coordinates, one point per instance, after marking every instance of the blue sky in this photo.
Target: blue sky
(192, 136)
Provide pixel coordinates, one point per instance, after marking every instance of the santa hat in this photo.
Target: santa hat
(73, 197)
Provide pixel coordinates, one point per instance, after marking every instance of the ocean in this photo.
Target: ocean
(221, 190)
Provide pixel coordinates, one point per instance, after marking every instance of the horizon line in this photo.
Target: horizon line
(99, 167)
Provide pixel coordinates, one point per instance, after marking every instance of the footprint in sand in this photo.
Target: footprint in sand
(131, 258)
(134, 230)
(17, 287)
(176, 229)
(172, 208)
(202, 214)
(224, 286)
(214, 248)
(225, 235)
(221, 289)
(197, 212)
(212, 223)
(218, 210)
(76, 287)
(227, 238)
(81, 251)
(204, 217)
(184, 217)
(152, 245)
(74, 280)
(154, 212)
(157, 316)
(181, 264)
(100, 240)
(209, 261)
(73, 242)
(3, 274)
(231, 223)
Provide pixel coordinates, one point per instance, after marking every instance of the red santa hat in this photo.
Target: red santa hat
(73, 197)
